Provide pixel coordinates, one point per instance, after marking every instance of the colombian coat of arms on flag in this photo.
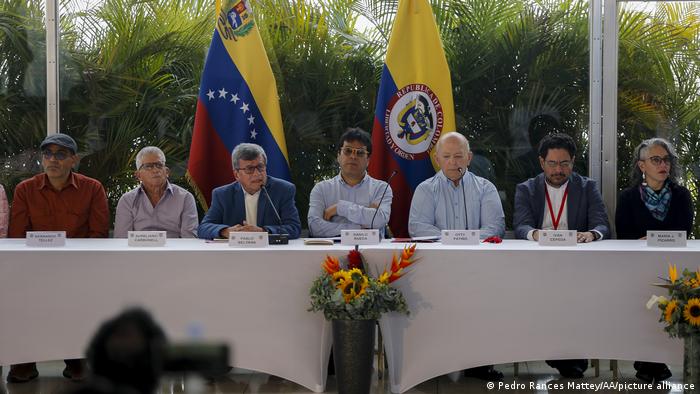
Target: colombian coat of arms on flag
(414, 107)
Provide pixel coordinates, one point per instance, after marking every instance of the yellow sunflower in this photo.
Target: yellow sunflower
(691, 312)
(354, 286)
(341, 277)
(671, 307)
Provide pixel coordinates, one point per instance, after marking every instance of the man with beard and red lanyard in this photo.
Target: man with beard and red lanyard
(654, 201)
(560, 199)
(58, 199)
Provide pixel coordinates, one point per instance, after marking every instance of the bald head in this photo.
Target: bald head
(452, 138)
(453, 155)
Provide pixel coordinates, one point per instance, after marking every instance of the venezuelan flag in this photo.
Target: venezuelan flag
(237, 103)
(414, 106)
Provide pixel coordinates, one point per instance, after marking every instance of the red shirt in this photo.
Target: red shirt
(80, 208)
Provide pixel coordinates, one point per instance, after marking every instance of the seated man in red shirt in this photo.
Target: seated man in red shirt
(58, 200)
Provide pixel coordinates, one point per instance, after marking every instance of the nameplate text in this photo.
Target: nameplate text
(147, 238)
(678, 239)
(359, 237)
(251, 239)
(46, 239)
(557, 237)
(460, 237)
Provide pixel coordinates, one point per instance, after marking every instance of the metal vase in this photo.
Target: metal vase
(353, 349)
(691, 362)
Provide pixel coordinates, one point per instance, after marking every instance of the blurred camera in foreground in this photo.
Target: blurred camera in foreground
(130, 352)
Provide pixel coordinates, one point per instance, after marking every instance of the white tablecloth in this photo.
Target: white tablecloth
(53, 300)
(516, 301)
(470, 305)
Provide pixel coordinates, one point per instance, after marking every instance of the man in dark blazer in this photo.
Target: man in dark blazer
(244, 205)
(559, 198)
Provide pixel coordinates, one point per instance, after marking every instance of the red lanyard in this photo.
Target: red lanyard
(555, 221)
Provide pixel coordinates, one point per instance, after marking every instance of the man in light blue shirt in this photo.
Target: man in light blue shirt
(454, 198)
(351, 199)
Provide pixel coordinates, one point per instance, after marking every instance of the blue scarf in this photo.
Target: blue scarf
(657, 203)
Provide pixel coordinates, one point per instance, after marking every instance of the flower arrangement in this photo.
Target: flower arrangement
(351, 294)
(681, 310)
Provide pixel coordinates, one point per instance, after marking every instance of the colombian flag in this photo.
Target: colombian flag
(414, 107)
(237, 102)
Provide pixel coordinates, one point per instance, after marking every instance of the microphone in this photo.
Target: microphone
(275, 239)
(371, 225)
(464, 198)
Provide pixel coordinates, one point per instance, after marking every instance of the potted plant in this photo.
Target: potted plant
(680, 313)
(353, 301)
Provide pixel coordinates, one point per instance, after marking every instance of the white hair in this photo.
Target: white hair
(149, 150)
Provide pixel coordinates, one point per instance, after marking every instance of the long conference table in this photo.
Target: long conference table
(470, 305)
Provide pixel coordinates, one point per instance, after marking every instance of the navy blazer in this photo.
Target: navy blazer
(228, 209)
(585, 210)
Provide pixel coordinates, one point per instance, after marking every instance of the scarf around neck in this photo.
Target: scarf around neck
(656, 203)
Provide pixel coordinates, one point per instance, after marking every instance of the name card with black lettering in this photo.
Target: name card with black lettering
(460, 237)
(147, 238)
(678, 239)
(557, 237)
(46, 239)
(248, 239)
(359, 237)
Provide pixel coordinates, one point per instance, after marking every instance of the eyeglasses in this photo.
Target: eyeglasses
(150, 166)
(657, 160)
(359, 152)
(565, 164)
(250, 170)
(58, 155)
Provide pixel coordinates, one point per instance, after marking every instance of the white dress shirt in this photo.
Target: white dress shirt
(251, 208)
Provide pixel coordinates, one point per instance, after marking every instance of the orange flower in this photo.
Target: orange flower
(397, 265)
(672, 273)
(406, 256)
(331, 265)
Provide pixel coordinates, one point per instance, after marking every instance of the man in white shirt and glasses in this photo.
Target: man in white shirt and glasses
(352, 199)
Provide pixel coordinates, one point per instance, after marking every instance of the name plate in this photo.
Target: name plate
(677, 239)
(557, 237)
(460, 237)
(359, 237)
(46, 239)
(147, 238)
(251, 239)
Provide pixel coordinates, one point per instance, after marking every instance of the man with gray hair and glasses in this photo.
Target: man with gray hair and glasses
(156, 204)
(254, 202)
